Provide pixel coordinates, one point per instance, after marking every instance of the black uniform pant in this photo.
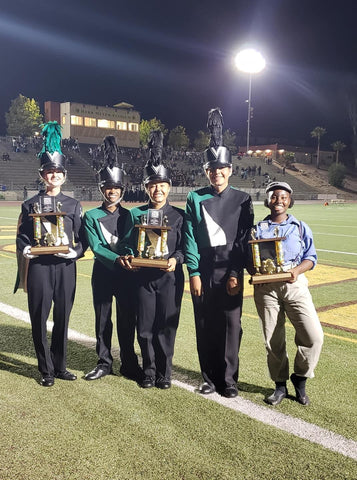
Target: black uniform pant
(47, 283)
(159, 304)
(107, 284)
(218, 334)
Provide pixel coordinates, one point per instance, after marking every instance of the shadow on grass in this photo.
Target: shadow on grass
(193, 377)
(16, 341)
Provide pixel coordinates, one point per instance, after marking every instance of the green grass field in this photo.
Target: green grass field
(113, 430)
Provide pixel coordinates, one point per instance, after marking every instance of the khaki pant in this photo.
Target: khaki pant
(273, 301)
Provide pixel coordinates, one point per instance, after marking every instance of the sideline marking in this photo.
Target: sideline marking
(295, 426)
(335, 251)
(334, 234)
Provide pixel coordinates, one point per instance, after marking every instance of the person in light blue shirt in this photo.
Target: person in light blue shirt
(291, 298)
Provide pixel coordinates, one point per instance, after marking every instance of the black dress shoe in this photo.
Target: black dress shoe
(277, 397)
(303, 400)
(230, 392)
(299, 384)
(206, 388)
(66, 375)
(97, 372)
(163, 383)
(147, 382)
(47, 381)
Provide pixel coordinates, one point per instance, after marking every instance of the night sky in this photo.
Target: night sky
(174, 60)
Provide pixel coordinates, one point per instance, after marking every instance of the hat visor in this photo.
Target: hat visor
(50, 166)
(216, 164)
(156, 179)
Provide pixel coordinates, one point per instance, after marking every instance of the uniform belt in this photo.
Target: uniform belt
(289, 266)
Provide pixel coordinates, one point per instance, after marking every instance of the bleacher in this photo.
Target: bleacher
(269, 172)
(22, 170)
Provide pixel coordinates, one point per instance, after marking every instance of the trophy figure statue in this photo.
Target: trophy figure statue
(268, 259)
(152, 240)
(48, 227)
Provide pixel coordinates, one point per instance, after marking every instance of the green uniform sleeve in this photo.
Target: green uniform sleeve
(101, 250)
(128, 244)
(192, 256)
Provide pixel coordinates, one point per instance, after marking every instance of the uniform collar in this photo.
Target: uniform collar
(290, 219)
(108, 212)
(163, 208)
(222, 194)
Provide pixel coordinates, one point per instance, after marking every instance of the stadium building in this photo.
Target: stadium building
(278, 152)
(90, 123)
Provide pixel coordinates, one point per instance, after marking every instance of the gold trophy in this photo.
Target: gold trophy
(152, 240)
(268, 259)
(48, 227)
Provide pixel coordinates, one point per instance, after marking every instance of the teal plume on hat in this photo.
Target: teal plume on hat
(52, 136)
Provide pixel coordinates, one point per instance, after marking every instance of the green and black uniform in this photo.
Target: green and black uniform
(104, 229)
(159, 295)
(216, 234)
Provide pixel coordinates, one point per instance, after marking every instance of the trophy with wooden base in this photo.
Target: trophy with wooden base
(152, 240)
(268, 260)
(48, 227)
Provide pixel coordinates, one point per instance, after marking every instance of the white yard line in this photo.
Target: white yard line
(335, 251)
(266, 415)
(334, 234)
(293, 425)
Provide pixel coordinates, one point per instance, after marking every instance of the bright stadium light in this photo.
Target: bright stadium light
(249, 61)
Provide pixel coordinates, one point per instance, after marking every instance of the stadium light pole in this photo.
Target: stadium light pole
(249, 61)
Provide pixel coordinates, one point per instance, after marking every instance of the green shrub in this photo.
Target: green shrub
(336, 175)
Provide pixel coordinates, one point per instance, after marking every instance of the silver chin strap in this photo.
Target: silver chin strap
(105, 199)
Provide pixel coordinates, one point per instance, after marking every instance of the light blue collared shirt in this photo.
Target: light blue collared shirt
(299, 243)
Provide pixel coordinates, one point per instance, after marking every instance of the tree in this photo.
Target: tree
(178, 138)
(201, 142)
(338, 146)
(145, 128)
(352, 113)
(230, 141)
(318, 132)
(23, 117)
(336, 175)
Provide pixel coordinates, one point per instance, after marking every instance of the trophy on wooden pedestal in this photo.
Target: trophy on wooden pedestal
(48, 227)
(152, 240)
(268, 260)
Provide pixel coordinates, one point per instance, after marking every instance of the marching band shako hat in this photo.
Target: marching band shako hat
(110, 175)
(216, 155)
(51, 155)
(278, 186)
(154, 170)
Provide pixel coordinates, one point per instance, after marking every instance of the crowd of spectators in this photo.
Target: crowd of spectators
(185, 166)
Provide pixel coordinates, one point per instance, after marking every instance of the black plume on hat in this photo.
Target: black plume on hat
(216, 155)
(110, 175)
(154, 170)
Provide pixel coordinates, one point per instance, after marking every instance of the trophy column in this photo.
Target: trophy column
(46, 242)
